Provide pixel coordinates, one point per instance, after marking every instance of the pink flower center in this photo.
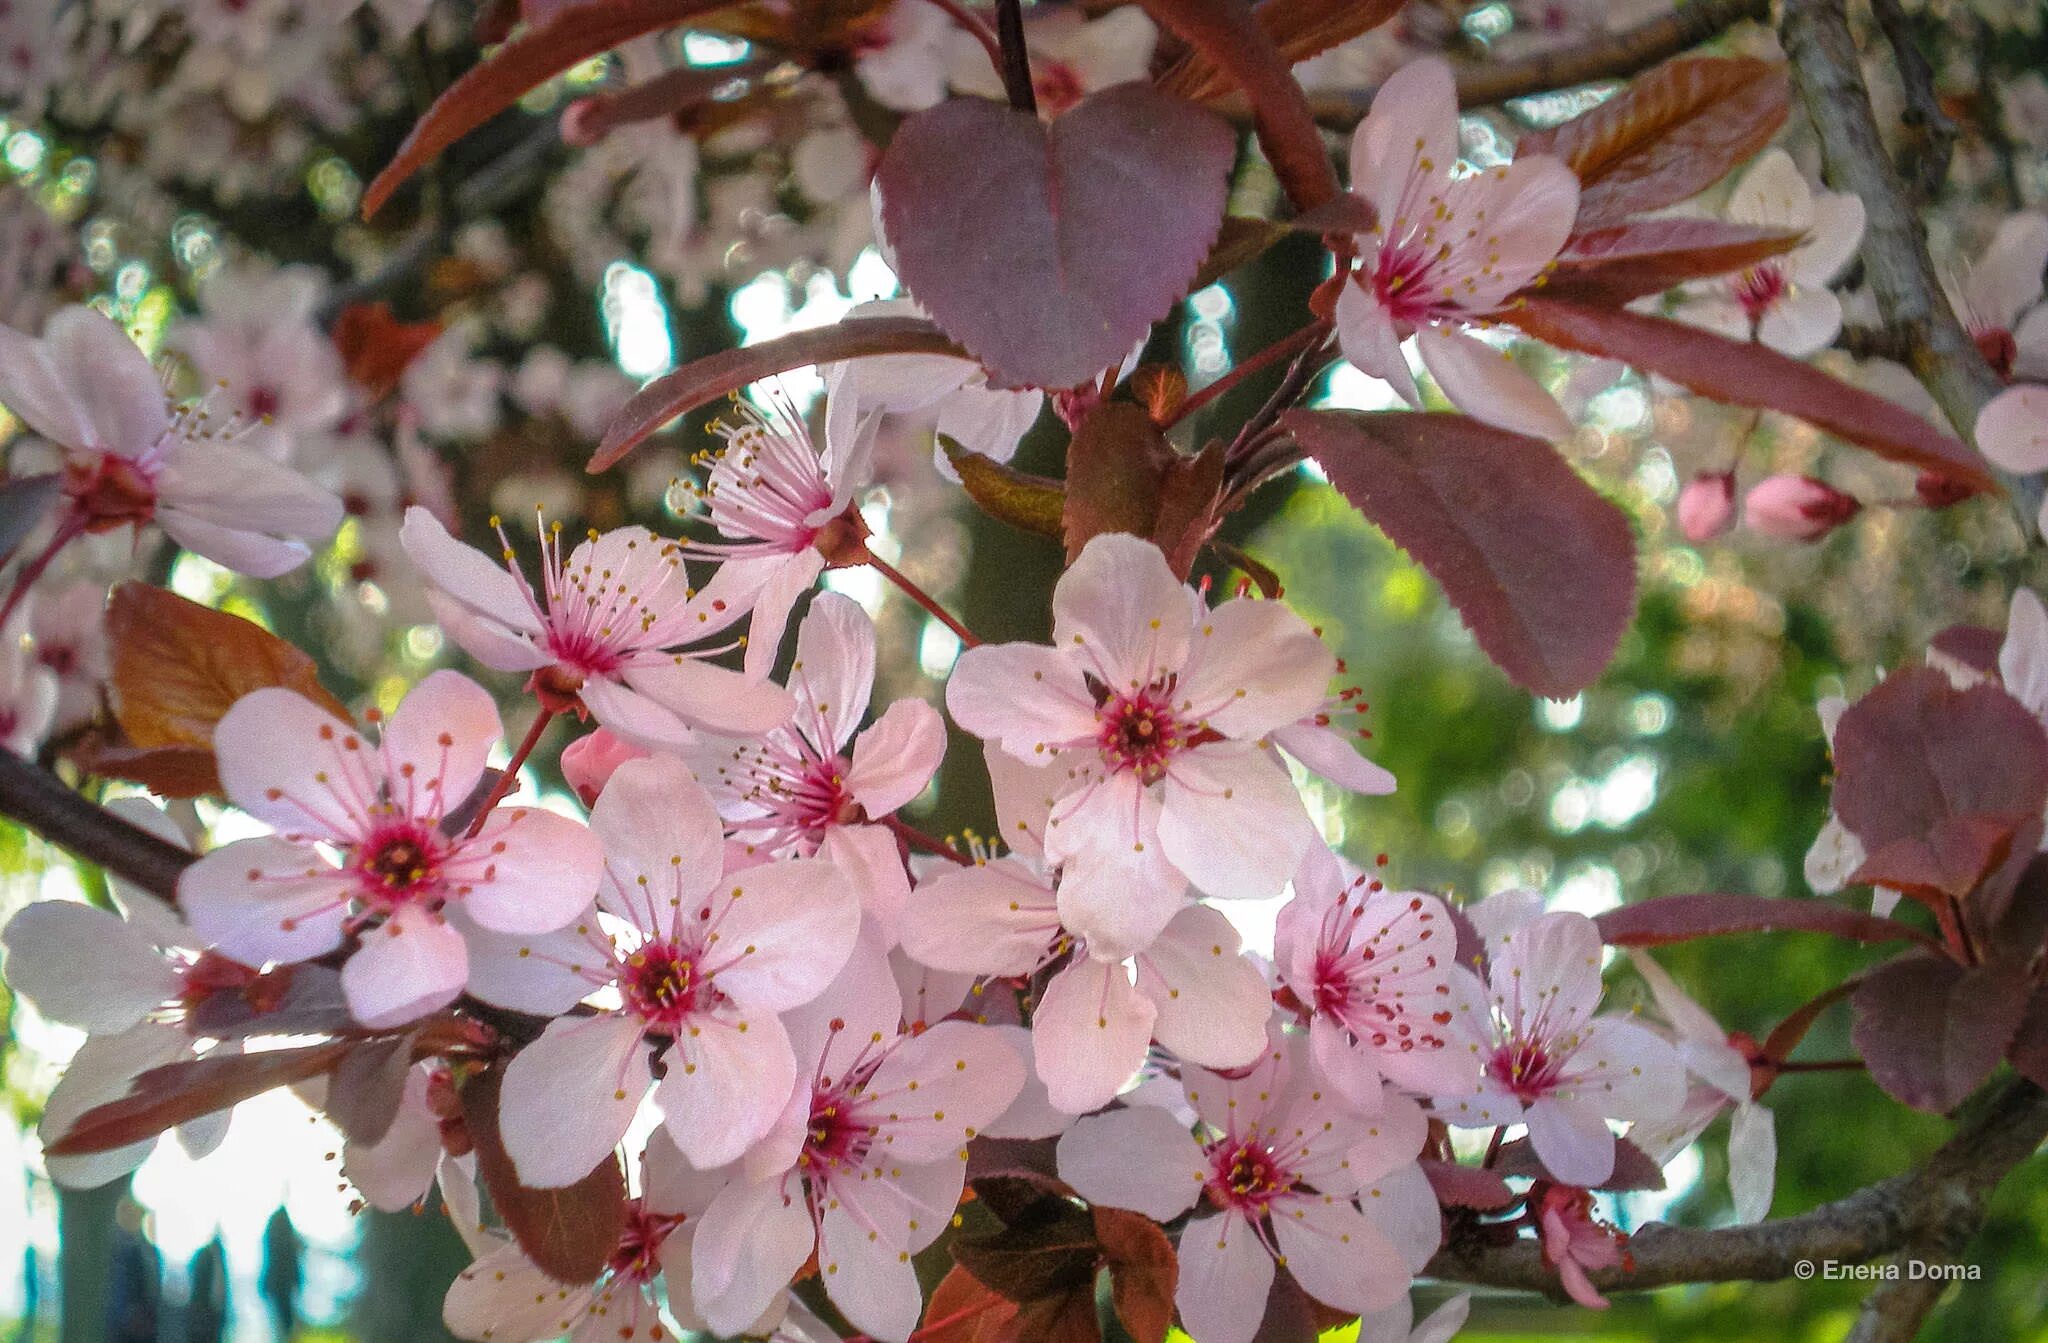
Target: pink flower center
(400, 865)
(1999, 349)
(1140, 732)
(837, 1137)
(1526, 1069)
(662, 985)
(1760, 288)
(1402, 281)
(1245, 1176)
(1058, 87)
(264, 403)
(768, 482)
(637, 1257)
(111, 493)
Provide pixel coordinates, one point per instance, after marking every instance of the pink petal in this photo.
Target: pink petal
(868, 858)
(943, 1086)
(436, 742)
(1121, 612)
(395, 1172)
(711, 697)
(1140, 1158)
(1225, 1274)
(1367, 336)
(120, 392)
(1090, 1032)
(1487, 385)
(1546, 974)
(657, 825)
(1117, 887)
(2012, 430)
(786, 929)
(872, 1283)
(896, 757)
(541, 973)
(84, 967)
(1212, 1001)
(1254, 666)
(484, 639)
(2023, 657)
(1024, 795)
(570, 1096)
(1328, 753)
(749, 1244)
(834, 671)
(1773, 193)
(1390, 1139)
(1026, 698)
(1411, 128)
(1336, 1255)
(34, 390)
(411, 964)
(237, 488)
(1032, 1114)
(288, 762)
(2006, 280)
(466, 574)
(1831, 242)
(637, 719)
(528, 871)
(1404, 1207)
(1623, 1070)
(1000, 919)
(503, 1296)
(1571, 1141)
(791, 578)
(1232, 821)
(725, 1086)
(290, 909)
(1804, 322)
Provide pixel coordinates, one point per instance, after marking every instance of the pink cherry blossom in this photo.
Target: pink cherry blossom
(1446, 251)
(1574, 1242)
(68, 625)
(1546, 1061)
(133, 456)
(361, 849)
(1797, 508)
(782, 508)
(28, 689)
(1997, 298)
(866, 1164)
(816, 785)
(703, 959)
(2012, 429)
(256, 341)
(1325, 750)
(1155, 709)
(1784, 302)
(601, 634)
(104, 1070)
(589, 762)
(1706, 506)
(1072, 56)
(1273, 1170)
(1095, 1020)
(1372, 968)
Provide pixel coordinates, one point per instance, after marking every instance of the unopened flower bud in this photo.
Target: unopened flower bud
(1797, 508)
(588, 762)
(1706, 506)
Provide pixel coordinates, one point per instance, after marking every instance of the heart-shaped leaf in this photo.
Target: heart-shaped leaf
(568, 1233)
(1542, 568)
(1049, 251)
(1932, 1030)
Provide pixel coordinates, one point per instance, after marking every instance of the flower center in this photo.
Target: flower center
(1525, 1068)
(1246, 1176)
(1999, 350)
(1759, 289)
(264, 403)
(400, 866)
(662, 983)
(836, 1136)
(110, 493)
(1402, 280)
(637, 1257)
(1140, 732)
(1058, 88)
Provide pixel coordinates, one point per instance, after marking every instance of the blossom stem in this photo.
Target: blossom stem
(67, 531)
(1824, 1066)
(510, 777)
(1493, 1147)
(1286, 347)
(977, 28)
(1016, 65)
(918, 839)
(924, 599)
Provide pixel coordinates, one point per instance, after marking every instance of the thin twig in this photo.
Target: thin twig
(977, 28)
(1016, 64)
(1932, 134)
(42, 802)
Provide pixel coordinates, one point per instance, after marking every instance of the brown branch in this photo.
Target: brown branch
(1936, 1209)
(1016, 57)
(1613, 57)
(1827, 71)
(1931, 134)
(41, 801)
(1894, 1312)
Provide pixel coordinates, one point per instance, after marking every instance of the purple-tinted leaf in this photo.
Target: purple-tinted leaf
(703, 381)
(2029, 1051)
(568, 1233)
(1541, 567)
(1633, 1169)
(1049, 1250)
(1935, 780)
(1972, 646)
(1123, 476)
(1049, 251)
(177, 1093)
(365, 1091)
(1615, 265)
(1458, 1186)
(24, 502)
(312, 1004)
(1932, 1030)
(1681, 918)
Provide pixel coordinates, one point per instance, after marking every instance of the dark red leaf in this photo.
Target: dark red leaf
(1681, 918)
(1228, 37)
(2029, 1050)
(1931, 1030)
(574, 35)
(1633, 1169)
(702, 381)
(1615, 265)
(376, 347)
(1049, 1250)
(365, 1091)
(1972, 646)
(1744, 373)
(569, 1233)
(1123, 476)
(178, 1093)
(1300, 29)
(963, 1311)
(1143, 1272)
(1458, 1186)
(1935, 780)
(1674, 131)
(1049, 251)
(1541, 567)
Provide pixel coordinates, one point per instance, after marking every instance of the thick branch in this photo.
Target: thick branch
(1894, 1312)
(1613, 57)
(41, 801)
(1939, 1207)
(1826, 70)
(1931, 132)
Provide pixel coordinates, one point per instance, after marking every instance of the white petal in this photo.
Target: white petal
(1573, 1143)
(527, 871)
(289, 762)
(896, 757)
(943, 1086)
(1122, 612)
(570, 1096)
(657, 825)
(262, 900)
(436, 742)
(1224, 1277)
(1488, 385)
(834, 671)
(710, 697)
(787, 928)
(1254, 666)
(1367, 336)
(1023, 697)
(504, 1297)
(2012, 430)
(790, 579)
(412, 964)
(1140, 1158)
(36, 392)
(1212, 1001)
(85, 967)
(1090, 1032)
(750, 1242)
(1325, 751)
(725, 1086)
(1232, 821)
(112, 378)
(1337, 1255)
(1752, 1161)
(466, 573)
(995, 920)
(873, 1284)
(1413, 121)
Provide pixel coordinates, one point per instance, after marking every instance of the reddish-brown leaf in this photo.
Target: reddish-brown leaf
(1744, 373)
(178, 1093)
(1972, 646)
(368, 1085)
(1049, 251)
(703, 381)
(574, 35)
(568, 1233)
(1674, 131)
(1123, 476)
(1048, 1250)
(963, 1311)
(1027, 502)
(376, 347)
(1935, 780)
(178, 666)
(1300, 29)
(1541, 567)
(1143, 1272)
(1239, 47)
(1932, 1030)
(1458, 1186)
(1614, 265)
(1682, 918)
(167, 771)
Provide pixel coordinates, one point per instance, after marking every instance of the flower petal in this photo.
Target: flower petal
(467, 574)
(1090, 1033)
(412, 964)
(1212, 1001)
(660, 831)
(1411, 129)
(1254, 666)
(1336, 1255)
(436, 742)
(1488, 385)
(1028, 699)
(290, 763)
(790, 579)
(786, 929)
(1367, 336)
(262, 900)
(528, 871)
(707, 696)
(943, 1086)
(1225, 1274)
(1141, 1158)
(998, 919)
(32, 387)
(873, 1284)
(570, 1096)
(749, 1244)
(122, 396)
(84, 967)
(727, 1081)
(834, 671)
(1121, 612)
(1572, 1142)
(1325, 752)
(1232, 821)
(2012, 429)
(896, 757)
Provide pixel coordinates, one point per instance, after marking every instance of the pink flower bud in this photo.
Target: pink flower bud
(1797, 508)
(588, 762)
(1706, 506)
